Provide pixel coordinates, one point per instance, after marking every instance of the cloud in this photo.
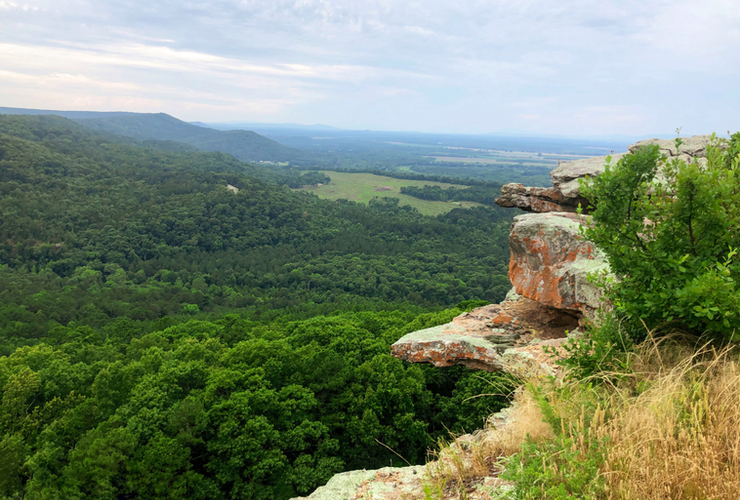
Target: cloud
(387, 64)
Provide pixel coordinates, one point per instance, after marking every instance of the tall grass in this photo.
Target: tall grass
(668, 429)
(679, 438)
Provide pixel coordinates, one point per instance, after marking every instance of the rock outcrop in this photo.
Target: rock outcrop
(549, 269)
(565, 195)
(551, 296)
(535, 199)
(551, 262)
(508, 337)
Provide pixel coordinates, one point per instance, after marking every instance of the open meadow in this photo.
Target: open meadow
(363, 187)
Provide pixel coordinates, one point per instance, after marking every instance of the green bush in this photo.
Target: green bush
(670, 232)
(602, 350)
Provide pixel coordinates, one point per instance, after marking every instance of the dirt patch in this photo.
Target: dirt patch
(384, 188)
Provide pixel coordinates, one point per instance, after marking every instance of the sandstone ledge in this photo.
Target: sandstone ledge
(534, 199)
(508, 337)
(565, 195)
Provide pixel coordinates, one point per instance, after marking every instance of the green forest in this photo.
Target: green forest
(163, 336)
(485, 195)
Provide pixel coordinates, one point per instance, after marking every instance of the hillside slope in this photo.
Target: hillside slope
(163, 335)
(72, 201)
(242, 144)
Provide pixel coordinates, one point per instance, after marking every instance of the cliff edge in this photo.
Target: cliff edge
(551, 299)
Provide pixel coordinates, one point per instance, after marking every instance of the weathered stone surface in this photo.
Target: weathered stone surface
(507, 337)
(550, 262)
(565, 178)
(389, 483)
(564, 196)
(695, 146)
(532, 199)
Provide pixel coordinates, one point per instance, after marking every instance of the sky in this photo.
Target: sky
(565, 67)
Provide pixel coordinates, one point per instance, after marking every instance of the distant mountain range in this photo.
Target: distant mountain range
(267, 126)
(242, 144)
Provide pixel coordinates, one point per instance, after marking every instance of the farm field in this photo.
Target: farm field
(529, 159)
(363, 187)
(502, 161)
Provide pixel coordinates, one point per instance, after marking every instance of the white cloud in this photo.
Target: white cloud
(612, 66)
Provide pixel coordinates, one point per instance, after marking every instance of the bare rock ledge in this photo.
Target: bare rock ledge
(507, 337)
(565, 195)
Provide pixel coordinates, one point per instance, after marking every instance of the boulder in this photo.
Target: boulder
(550, 262)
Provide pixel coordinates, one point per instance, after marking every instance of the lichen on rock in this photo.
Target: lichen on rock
(507, 337)
(551, 262)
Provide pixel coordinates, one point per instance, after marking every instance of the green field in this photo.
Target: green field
(364, 187)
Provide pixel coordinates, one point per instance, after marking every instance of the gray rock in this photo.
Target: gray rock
(533, 199)
(511, 295)
(385, 483)
(565, 177)
(341, 486)
(498, 337)
(695, 146)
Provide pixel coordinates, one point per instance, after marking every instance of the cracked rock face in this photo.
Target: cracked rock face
(550, 262)
(533, 199)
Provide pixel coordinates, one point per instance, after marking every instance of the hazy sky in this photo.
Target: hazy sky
(573, 67)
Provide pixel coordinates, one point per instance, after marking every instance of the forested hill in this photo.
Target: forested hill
(164, 337)
(242, 144)
(93, 230)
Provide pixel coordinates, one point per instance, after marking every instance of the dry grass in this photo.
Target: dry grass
(526, 423)
(669, 430)
(679, 438)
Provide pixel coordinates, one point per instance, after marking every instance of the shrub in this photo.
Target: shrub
(603, 349)
(670, 232)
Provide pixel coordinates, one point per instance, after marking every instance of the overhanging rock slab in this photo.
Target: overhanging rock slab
(508, 337)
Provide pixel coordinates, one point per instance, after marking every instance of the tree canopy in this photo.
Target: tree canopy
(162, 336)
